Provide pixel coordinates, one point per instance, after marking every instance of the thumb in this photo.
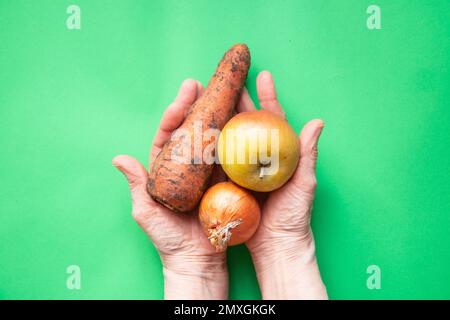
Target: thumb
(305, 177)
(137, 178)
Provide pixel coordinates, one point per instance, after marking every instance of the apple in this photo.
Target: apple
(258, 150)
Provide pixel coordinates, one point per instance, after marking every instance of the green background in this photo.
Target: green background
(71, 100)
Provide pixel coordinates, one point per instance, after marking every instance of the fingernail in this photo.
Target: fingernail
(321, 125)
(188, 82)
(266, 75)
(113, 162)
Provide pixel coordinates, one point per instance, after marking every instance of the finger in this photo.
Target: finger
(199, 88)
(137, 178)
(175, 113)
(245, 102)
(267, 94)
(305, 176)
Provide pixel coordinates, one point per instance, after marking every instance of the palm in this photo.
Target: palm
(285, 214)
(294, 206)
(174, 233)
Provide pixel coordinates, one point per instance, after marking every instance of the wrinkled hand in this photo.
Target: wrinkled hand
(284, 235)
(187, 256)
(192, 268)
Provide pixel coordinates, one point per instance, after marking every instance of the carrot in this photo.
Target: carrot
(180, 186)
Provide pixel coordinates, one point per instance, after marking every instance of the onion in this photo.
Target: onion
(229, 215)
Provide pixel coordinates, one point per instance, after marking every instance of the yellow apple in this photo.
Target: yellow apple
(258, 150)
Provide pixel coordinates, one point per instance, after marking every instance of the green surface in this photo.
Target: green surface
(71, 100)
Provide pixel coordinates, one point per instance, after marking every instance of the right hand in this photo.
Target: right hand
(283, 248)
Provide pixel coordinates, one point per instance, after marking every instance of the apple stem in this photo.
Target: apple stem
(261, 172)
(264, 163)
(219, 238)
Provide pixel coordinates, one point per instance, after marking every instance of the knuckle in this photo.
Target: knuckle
(312, 152)
(138, 216)
(308, 185)
(312, 182)
(142, 215)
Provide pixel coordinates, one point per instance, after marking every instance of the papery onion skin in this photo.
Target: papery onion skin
(225, 203)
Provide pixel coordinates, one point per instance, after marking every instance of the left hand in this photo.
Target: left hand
(192, 268)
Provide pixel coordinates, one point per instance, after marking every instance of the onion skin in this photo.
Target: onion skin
(225, 204)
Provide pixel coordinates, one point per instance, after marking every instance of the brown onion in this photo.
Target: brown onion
(229, 215)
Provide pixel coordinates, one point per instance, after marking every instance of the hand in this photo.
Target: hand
(192, 269)
(283, 246)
